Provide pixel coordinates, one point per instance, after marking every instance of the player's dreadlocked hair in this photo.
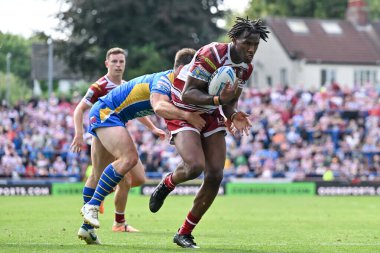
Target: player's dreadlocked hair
(253, 26)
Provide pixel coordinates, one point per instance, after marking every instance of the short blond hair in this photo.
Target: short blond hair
(183, 57)
(115, 50)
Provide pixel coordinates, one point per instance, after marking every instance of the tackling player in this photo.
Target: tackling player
(139, 97)
(115, 64)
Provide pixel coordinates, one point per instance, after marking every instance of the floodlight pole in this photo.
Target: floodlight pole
(50, 66)
(8, 78)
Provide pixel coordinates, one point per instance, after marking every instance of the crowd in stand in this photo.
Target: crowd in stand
(295, 134)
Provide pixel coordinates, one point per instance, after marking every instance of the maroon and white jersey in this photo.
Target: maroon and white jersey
(99, 89)
(206, 60)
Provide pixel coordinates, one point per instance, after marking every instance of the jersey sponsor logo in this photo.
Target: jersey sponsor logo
(200, 73)
(95, 85)
(163, 87)
(144, 113)
(209, 62)
(89, 94)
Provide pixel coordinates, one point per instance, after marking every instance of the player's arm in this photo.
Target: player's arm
(231, 108)
(236, 119)
(149, 124)
(76, 145)
(164, 108)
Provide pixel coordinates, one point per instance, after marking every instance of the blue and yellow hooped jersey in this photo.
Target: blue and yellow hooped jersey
(132, 99)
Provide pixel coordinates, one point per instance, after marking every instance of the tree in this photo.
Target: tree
(18, 90)
(334, 9)
(19, 47)
(164, 25)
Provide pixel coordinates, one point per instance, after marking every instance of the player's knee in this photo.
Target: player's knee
(137, 181)
(194, 169)
(92, 181)
(128, 162)
(94, 177)
(215, 178)
(125, 184)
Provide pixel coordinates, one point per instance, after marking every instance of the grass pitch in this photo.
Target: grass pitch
(233, 224)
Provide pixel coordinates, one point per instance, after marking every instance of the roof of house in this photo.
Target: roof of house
(327, 41)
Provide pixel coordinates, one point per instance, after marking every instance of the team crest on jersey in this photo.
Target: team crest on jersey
(220, 121)
(92, 120)
(239, 73)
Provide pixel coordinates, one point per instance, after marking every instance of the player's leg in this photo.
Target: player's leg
(189, 147)
(135, 177)
(137, 174)
(214, 148)
(99, 160)
(117, 141)
(120, 201)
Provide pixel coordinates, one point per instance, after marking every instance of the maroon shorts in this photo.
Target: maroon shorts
(214, 124)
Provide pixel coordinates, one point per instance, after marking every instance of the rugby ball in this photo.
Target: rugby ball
(220, 78)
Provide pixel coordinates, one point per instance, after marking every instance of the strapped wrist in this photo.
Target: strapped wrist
(220, 100)
(233, 116)
(216, 100)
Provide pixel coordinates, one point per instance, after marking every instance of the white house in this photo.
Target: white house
(310, 53)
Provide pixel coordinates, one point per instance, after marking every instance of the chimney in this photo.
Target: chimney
(357, 12)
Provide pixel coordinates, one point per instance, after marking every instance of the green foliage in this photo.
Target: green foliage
(18, 88)
(145, 60)
(374, 9)
(20, 50)
(97, 25)
(331, 9)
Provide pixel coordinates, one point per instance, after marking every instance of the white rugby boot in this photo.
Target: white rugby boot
(88, 235)
(90, 215)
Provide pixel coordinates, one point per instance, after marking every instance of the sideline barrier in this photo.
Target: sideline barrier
(67, 188)
(299, 188)
(344, 189)
(230, 189)
(25, 189)
(77, 188)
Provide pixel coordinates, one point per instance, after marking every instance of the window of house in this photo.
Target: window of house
(284, 76)
(255, 78)
(327, 76)
(298, 26)
(331, 28)
(362, 76)
(269, 81)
